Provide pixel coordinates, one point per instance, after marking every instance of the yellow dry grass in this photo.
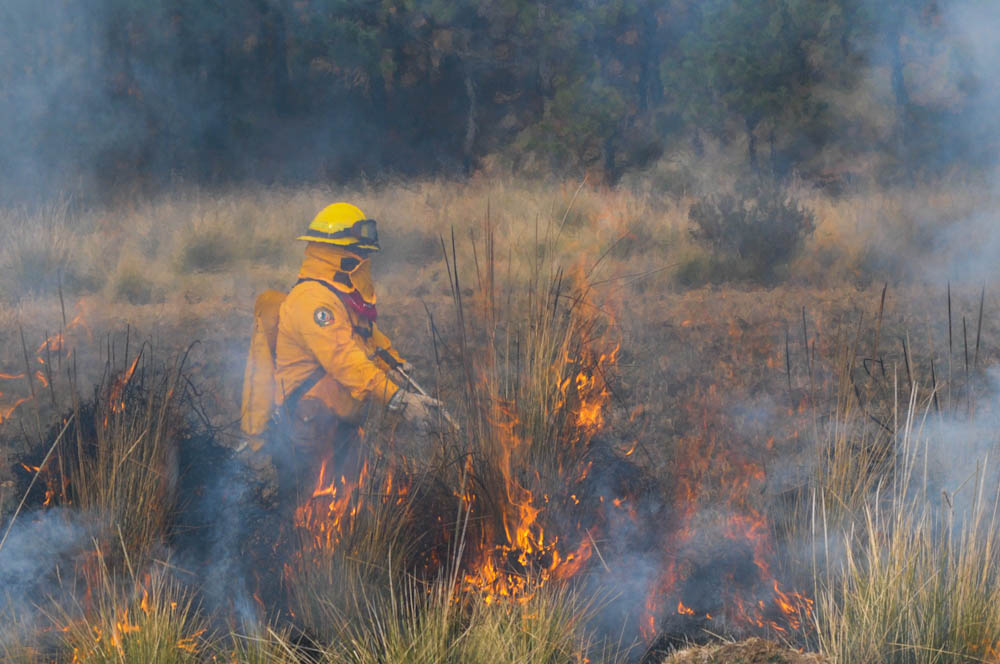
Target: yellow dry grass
(186, 266)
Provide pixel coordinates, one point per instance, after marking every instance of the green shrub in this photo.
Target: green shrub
(752, 234)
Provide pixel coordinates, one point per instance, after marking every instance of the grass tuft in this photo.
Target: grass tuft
(144, 620)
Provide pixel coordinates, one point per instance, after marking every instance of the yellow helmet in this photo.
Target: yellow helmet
(343, 224)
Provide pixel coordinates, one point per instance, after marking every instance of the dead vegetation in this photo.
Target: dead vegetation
(751, 651)
(612, 418)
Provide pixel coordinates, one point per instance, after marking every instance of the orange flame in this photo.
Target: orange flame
(118, 389)
(52, 344)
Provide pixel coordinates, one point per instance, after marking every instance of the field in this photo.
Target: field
(660, 446)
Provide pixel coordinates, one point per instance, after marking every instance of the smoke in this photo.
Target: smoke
(955, 454)
(219, 521)
(36, 563)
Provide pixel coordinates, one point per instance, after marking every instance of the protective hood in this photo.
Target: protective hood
(325, 261)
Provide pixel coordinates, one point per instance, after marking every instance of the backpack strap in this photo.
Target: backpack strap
(363, 331)
(293, 398)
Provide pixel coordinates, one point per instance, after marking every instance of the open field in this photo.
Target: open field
(648, 455)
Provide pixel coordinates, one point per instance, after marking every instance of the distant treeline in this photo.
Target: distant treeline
(122, 91)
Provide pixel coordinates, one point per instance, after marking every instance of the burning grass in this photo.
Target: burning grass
(707, 462)
(147, 620)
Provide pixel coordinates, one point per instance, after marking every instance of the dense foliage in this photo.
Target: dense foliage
(283, 90)
(752, 234)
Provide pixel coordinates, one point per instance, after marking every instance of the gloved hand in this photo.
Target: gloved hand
(423, 412)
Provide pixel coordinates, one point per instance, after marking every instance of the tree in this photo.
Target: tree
(749, 59)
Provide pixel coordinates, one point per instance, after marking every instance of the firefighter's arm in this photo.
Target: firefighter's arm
(326, 330)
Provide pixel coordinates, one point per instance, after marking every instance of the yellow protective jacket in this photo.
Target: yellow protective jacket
(316, 329)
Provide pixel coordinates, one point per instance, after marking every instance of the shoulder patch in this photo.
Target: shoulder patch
(323, 316)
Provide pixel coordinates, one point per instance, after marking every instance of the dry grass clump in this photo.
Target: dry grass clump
(41, 251)
(751, 651)
(414, 622)
(434, 624)
(271, 646)
(909, 572)
(132, 283)
(148, 619)
(118, 459)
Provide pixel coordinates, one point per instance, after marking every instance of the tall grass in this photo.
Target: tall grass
(328, 573)
(146, 618)
(417, 624)
(910, 574)
(119, 460)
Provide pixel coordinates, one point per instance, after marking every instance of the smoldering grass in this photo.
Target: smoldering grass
(147, 617)
(19, 642)
(325, 578)
(119, 460)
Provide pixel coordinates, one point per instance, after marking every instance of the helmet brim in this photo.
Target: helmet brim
(346, 242)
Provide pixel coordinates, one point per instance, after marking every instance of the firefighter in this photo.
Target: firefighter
(330, 360)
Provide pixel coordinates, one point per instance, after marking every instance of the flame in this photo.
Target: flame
(510, 556)
(5, 413)
(528, 557)
(118, 389)
(52, 344)
(713, 459)
(329, 513)
(189, 643)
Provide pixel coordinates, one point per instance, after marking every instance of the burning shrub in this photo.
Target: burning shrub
(752, 234)
(535, 395)
(351, 537)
